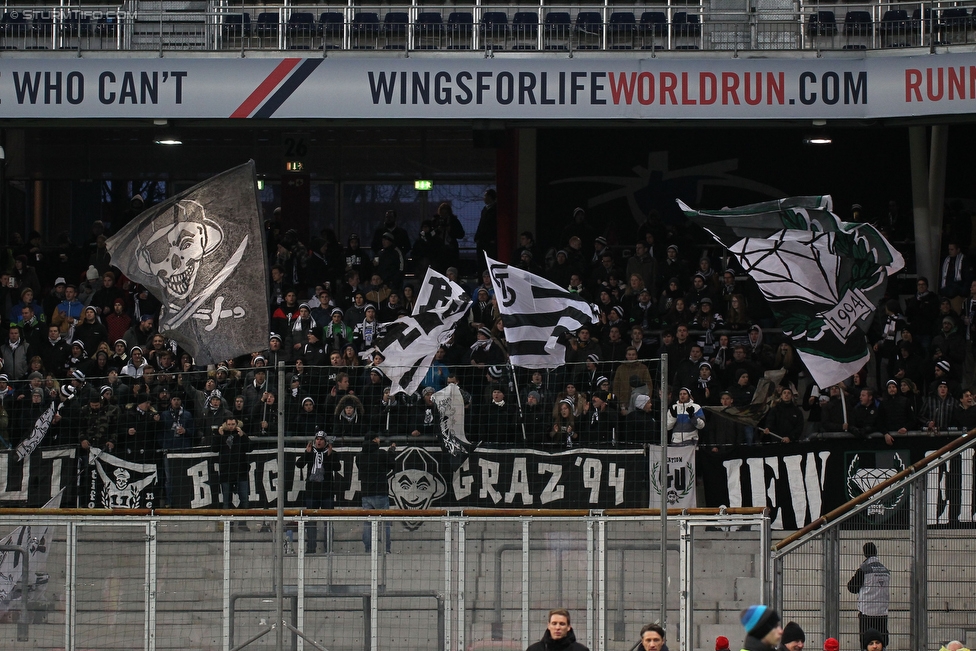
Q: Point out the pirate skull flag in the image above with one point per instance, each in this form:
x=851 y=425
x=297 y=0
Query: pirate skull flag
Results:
x=201 y=253
x=823 y=278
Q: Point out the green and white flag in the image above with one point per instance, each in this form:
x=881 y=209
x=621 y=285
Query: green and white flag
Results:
x=823 y=278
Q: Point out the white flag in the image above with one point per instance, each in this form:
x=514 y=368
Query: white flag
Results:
x=535 y=313
x=450 y=404
x=36 y=541
x=38 y=432
x=410 y=343
x=680 y=476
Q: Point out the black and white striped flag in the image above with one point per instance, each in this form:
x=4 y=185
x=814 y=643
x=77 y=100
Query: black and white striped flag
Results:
x=535 y=312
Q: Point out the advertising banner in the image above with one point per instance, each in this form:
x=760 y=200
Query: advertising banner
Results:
x=504 y=87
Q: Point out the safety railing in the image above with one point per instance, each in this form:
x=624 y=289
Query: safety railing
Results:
x=220 y=26
x=366 y=579
x=889 y=559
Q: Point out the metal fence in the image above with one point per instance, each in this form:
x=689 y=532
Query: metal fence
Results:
x=930 y=565
x=217 y=25
x=452 y=582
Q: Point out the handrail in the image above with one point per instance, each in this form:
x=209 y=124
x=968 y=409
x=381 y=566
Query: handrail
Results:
x=390 y=513
x=846 y=508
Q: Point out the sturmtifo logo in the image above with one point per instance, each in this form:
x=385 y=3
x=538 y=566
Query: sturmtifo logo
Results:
x=865 y=470
x=681 y=479
x=418 y=483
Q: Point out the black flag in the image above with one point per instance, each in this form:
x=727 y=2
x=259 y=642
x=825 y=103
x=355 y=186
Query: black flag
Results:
x=201 y=253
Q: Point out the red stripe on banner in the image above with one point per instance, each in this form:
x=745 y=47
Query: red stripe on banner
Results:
x=261 y=92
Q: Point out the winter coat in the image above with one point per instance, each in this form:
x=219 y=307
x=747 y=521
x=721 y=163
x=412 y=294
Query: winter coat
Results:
x=567 y=643
x=375 y=465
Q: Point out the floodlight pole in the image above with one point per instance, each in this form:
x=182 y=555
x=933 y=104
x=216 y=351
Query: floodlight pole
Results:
x=663 y=479
x=280 y=522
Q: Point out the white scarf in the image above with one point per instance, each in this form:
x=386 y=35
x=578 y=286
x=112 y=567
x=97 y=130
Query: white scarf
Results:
x=957 y=272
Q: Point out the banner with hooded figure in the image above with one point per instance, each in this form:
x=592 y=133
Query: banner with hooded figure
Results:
x=201 y=253
x=823 y=278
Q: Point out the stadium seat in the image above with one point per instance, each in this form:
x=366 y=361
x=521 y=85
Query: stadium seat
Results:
x=953 y=26
x=653 y=30
x=267 y=24
x=684 y=24
x=821 y=23
x=494 y=29
x=428 y=30
x=365 y=30
x=894 y=28
x=557 y=28
x=236 y=25
x=460 y=27
x=301 y=25
x=330 y=27
x=395 y=30
x=620 y=27
x=589 y=30
x=857 y=23
x=525 y=30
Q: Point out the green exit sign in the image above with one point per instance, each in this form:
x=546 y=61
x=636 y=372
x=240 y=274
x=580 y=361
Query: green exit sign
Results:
x=424 y=185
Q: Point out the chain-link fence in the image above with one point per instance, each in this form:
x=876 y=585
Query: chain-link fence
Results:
x=479 y=581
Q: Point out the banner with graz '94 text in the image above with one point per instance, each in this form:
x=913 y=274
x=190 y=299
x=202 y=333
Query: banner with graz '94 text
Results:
x=432 y=478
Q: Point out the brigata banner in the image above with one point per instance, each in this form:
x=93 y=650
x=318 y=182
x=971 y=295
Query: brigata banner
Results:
x=426 y=478
x=469 y=86
x=799 y=482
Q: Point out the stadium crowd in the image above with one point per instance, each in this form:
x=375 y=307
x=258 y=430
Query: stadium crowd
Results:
x=78 y=329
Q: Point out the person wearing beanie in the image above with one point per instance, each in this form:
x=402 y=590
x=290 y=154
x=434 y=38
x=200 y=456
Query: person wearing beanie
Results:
x=721 y=643
x=559 y=634
x=831 y=644
x=763 y=631
x=873 y=640
x=793 y=638
x=871 y=584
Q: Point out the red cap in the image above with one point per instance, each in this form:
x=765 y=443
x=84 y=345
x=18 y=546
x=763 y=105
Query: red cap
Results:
x=721 y=643
x=831 y=644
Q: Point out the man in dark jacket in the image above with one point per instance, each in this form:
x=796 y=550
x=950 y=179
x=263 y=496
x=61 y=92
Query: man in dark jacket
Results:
x=319 y=485
x=763 y=631
x=559 y=634
x=232 y=445
x=785 y=420
x=375 y=465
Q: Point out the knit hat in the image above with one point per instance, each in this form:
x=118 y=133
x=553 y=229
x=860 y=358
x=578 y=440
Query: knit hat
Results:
x=601 y=240
x=944 y=365
x=870 y=636
x=274 y=335
x=759 y=620
x=536 y=395
x=600 y=380
x=484 y=331
x=870 y=549
x=793 y=633
x=721 y=643
x=495 y=371
x=831 y=644
x=78 y=375
x=593 y=357
x=35 y=376
x=335 y=311
x=640 y=402
x=92 y=273
x=428 y=390
x=306 y=399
